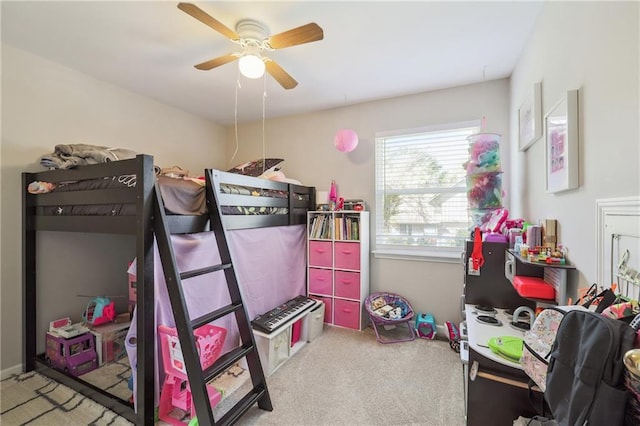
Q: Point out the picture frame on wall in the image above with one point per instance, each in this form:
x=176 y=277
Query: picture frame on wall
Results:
x=562 y=144
x=530 y=118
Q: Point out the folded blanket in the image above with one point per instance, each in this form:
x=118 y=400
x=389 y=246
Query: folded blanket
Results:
x=67 y=156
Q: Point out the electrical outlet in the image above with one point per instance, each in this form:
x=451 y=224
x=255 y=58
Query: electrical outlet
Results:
x=471 y=270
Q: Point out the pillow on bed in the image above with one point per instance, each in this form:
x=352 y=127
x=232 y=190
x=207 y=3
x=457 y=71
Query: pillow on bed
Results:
x=278 y=175
x=271 y=174
x=256 y=167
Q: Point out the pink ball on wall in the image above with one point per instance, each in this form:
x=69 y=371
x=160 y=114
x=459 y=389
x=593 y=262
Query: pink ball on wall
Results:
x=346 y=140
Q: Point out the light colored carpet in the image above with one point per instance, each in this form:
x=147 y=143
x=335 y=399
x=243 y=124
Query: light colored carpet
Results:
x=343 y=377
x=346 y=377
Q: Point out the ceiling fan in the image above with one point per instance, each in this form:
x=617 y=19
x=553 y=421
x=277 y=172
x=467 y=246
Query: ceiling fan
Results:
x=253 y=39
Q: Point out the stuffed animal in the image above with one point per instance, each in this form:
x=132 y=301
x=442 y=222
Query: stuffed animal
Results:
x=484 y=190
x=488 y=159
x=484 y=156
x=395 y=313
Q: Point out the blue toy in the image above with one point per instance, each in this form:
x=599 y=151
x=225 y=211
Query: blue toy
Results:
x=404 y=309
x=426 y=326
x=100 y=310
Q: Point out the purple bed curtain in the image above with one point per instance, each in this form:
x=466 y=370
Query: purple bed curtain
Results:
x=270 y=266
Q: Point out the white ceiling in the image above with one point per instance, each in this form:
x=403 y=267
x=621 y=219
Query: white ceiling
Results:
x=371 y=50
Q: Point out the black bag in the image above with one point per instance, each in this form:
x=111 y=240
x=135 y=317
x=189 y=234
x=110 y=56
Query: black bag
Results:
x=585 y=378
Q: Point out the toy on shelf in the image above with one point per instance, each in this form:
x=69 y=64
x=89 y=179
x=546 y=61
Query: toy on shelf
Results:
x=333 y=196
x=176 y=392
x=70 y=347
x=100 y=310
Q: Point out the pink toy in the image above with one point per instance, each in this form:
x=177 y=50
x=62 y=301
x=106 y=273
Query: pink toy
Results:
x=496 y=219
x=176 y=392
x=333 y=195
x=490 y=220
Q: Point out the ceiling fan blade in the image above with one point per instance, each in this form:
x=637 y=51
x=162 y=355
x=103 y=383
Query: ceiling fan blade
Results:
x=280 y=75
x=205 y=66
x=206 y=19
x=300 y=35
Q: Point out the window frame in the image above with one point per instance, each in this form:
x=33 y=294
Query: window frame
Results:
x=405 y=252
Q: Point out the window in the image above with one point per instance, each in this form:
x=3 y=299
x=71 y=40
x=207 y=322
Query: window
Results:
x=421 y=196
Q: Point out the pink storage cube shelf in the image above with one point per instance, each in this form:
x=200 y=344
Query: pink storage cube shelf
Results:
x=320 y=253
x=347 y=313
x=320 y=281
x=347 y=284
x=347 y=255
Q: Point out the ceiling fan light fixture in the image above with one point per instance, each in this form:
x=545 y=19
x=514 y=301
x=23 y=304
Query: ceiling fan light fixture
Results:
x=251 y=66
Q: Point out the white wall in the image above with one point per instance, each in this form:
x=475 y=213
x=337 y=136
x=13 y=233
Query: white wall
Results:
x=306 y=144
x=44 y=104
x=593 y=47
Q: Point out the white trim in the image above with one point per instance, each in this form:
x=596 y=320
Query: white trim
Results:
x=427 y=129
x=8 y=372
x=419 y=255
x=629 y=206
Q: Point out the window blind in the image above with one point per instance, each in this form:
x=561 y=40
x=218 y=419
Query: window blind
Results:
x=421 y=201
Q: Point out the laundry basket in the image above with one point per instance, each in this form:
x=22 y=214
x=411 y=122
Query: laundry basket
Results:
x=388 y=312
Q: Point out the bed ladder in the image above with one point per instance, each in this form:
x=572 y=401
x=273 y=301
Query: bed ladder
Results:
x=199 y=378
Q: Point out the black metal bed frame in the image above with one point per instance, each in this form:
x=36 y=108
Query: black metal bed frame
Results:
x=142 y=226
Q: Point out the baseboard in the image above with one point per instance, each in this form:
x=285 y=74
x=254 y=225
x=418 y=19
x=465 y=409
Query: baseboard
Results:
x=16 y=369
x=442 y=332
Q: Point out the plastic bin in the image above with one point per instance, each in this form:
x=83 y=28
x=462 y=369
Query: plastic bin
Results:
x=315 y=322
x=209 y=342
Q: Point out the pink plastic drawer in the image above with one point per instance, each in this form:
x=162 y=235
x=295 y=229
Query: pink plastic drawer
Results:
x=348 y=256
x=347 y=284
x=533 y=287
x=347 y=314
x=328 y=307
x=320 y=281
x=320 y=253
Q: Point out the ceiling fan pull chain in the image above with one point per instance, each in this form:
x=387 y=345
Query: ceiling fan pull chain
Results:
x=235 y=117
x=264 y=112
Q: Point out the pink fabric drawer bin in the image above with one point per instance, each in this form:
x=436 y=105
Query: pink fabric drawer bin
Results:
x=348 y=256
x=328 y=307
x=347 y=284
x=320 y=253
x=320 y=281
x=347 y=314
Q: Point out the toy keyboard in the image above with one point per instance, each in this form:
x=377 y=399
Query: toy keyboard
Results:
x=278 y=316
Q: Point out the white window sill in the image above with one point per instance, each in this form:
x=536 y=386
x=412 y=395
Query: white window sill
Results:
x=419 y=255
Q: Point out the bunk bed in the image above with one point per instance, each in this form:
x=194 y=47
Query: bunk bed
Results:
x=102 y=198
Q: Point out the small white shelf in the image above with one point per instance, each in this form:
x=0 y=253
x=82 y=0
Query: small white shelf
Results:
x=276 y=348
